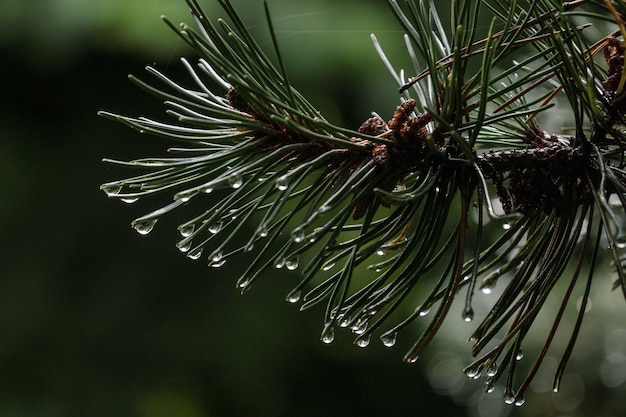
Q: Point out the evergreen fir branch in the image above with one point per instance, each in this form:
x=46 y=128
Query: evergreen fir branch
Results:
x=383 y=214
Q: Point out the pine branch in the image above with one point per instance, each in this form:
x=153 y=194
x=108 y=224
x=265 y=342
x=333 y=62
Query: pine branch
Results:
x=378 y=210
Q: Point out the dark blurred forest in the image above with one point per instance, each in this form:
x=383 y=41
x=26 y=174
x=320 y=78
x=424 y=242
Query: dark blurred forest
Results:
x=96 y=320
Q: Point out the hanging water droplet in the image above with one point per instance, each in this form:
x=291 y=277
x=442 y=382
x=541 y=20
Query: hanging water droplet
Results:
x=359 y=327
x=263 y=232
x=389 y=339
x=490 y=385
x=282 y=183
x=111 y=190
x=216 y=227
x=620 y=240
x=506 y=225
x=235 y=180
x=468 y=315
x=186 y=230
x=363 y=342
x=520 y=401
x=298 y=235
x=473 y=372
x=217 y=264
x=328 y=335
x=216 y=256
x=184 y=196
x=492 y=370
x=345 y=322
x=509 y=398
x=144 y=227
x=294 y=297
x=195 y=253
x=424 y=311
x=292 y=263
x=328 y=267
x=207 y=190
x=519 y=355
x=184 y=246
x=279 y=263
x=381 y=252
x=243 y=283
x=129 y=200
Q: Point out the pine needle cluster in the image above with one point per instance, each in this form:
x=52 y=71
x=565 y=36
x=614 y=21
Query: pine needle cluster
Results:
x=404 y=202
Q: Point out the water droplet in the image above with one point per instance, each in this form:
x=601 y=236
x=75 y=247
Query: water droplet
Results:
x=263 y=232
x=185 y=196
x=490 y=385
x=468 y=315
x=389 y=339
x=359 y=327
x=506 y=225
x=217 y=264
x=492 y=370
x=363 y=342
x=217 y=256
x=279 y=264
x=216 y=227
x=195 y=253
x=129 y=200
x=519 y=355
x=111 y=190
x=381 y=252
x=328 y=335
x=294 y=297
x=424 y=311
x=328 y=267
x=298 y=235
x=520 y=401
x=509 y=398
x=235 y=181
x=207 y=190
x=345 y=322
x=282 y=183
x=292 y=264
x=411 y=359
x=473 y=372
x=620 y=240
x=186 y=230
x=184 y=246
x=144 y=227
x=243 y=283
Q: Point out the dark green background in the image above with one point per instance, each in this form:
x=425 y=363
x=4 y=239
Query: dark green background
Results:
x=96 y=320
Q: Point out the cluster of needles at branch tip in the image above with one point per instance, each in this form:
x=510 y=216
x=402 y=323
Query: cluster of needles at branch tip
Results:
x=385 y=223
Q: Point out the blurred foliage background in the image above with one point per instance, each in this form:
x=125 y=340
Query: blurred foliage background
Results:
x=98 y=321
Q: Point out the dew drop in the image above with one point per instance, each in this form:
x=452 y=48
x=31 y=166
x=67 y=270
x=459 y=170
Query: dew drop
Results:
x=381 y=252
x=184 y=196
x=130 y=200
x=186 y=230
x=506 y=225
x=520 y=401
x=360 y=327
x=184 y=246
x=423 y=312
x=389 y=339
x=492 y=370
x=519 y=355
x=345 y=322
x=263 y=232
x=217 y=256
x=195 y=253
x=282 y=183
x=279 y=264
x=294 y=297
x=235 y=181
x=217 y=264
x=474 y=372
x=509 y=398
x=216 y=227
x=111 y=190
x=292 y=264
x=144 y=227
x=207 y=190
x=298 y=235
x=328 y=267
x=243 y=283
x=328 y=335
x=490 y=385
x=363 y=342
x=468 y=315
